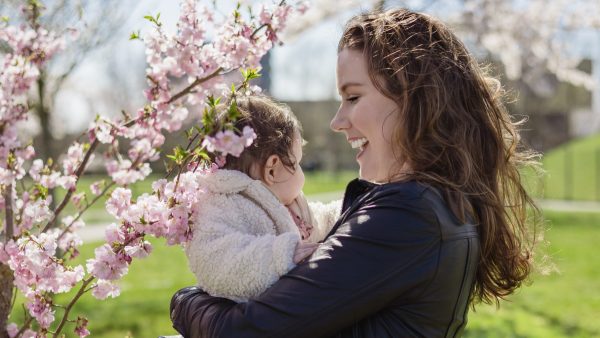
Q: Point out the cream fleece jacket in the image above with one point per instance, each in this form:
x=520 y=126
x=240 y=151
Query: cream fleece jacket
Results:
x=244 y=238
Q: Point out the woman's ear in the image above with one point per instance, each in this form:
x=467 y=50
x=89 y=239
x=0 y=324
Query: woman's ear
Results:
x=271 y=169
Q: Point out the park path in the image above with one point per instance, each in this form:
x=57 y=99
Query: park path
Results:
x=94 y=232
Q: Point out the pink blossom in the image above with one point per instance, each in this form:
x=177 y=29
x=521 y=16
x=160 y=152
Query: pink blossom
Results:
x=142 y=150
x=25 y=153
x=159 y=186
x=226 y=142
x=67 y=182
x=96 y=187
x=35 y=169
x=141 y=250
x=148 y=214
x=35 y=212
x=104 y=289
x=303 y=6
x=113 y=234
x=70 y=240
x=74 y=158
x=103 y=132
x=33 y=262
x=41 y=309
x=265 y=16
x=30 y=334
x=77 y=198
x=106 y=264
x=122 y=172
x=179 y=229
x=50 y=180
x=248 y=135
x=81 y=327
x=119 y=201
x=12 y=329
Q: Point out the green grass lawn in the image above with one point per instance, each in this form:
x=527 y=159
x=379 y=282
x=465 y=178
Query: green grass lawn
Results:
x=564 y=304
x=573 y=170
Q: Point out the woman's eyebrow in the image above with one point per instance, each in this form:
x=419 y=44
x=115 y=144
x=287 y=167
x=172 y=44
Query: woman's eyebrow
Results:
x=345 y=86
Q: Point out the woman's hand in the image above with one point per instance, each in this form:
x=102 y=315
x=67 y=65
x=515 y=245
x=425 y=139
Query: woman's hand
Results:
x=304 y=250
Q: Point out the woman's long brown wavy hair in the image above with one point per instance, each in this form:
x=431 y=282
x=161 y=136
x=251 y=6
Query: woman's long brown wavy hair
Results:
x=455 y=134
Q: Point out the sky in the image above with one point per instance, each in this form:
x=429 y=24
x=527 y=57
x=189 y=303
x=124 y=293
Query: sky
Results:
x=301 y=69
x=294 y=75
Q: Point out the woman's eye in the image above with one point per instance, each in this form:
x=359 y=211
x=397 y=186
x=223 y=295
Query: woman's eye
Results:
x=352 y=99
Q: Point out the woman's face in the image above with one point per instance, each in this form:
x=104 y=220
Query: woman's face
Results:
x=366 y=116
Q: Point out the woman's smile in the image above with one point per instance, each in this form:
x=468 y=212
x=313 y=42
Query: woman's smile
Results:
x=367 y=117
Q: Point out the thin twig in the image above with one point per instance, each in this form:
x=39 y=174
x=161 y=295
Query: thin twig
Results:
x=67 y=197
x=84 y=209
x=78 y=174
x=189 y=88
x=65 y=317
x=25 y=326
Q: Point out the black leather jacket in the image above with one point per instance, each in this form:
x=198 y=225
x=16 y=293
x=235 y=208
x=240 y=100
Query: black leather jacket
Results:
x=396 y=264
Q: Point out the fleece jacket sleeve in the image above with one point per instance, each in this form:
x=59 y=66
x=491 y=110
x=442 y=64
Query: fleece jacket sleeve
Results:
x=325 y=215
x=236 y=265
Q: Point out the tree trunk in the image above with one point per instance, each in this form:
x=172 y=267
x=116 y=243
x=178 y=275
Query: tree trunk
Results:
x=46 y=148
x=6 y=295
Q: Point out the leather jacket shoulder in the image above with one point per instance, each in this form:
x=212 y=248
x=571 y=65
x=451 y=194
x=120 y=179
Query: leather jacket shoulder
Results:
x=396 y=264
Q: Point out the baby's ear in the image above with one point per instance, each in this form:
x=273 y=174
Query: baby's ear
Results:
x=271 y=169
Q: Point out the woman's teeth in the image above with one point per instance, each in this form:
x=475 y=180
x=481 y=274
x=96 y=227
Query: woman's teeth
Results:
x=358 y=143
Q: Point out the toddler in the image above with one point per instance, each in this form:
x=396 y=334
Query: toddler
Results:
x=253 y=224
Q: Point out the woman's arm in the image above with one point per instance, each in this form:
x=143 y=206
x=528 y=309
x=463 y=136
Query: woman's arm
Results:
x=374 y=257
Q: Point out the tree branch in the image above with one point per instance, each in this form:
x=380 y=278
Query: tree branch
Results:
x=78 y=174
x=84 y=209
x=9 y=212
x=65 y=317
x=189 y=88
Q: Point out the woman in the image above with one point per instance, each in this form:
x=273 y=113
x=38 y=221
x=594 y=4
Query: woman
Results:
x=437 y=220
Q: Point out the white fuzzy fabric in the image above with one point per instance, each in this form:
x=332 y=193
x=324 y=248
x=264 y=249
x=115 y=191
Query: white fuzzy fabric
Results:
x=324 y=218
x=244 y=238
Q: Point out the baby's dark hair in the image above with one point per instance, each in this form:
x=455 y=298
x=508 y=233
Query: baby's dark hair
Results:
x=275 y=126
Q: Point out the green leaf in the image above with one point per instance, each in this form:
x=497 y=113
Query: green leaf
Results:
x=233 y=110
x=189 y=132
x=179 y=154
x=40 y=191
x=153 y=19
x=250 y=74
x=134 y=35
x=201 y=153
x=212 y=101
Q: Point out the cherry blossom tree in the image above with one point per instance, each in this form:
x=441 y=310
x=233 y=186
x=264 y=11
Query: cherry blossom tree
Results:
x=215 y=56
x=529 y=38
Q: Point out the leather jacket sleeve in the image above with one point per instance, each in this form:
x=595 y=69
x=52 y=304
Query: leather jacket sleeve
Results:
x=382 y=253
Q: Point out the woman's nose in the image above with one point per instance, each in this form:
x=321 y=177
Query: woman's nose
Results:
x=339 y=121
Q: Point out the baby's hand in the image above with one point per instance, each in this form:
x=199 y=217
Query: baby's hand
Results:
x=304 y=250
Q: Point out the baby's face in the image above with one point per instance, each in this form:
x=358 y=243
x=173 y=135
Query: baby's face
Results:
x=290 y=182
